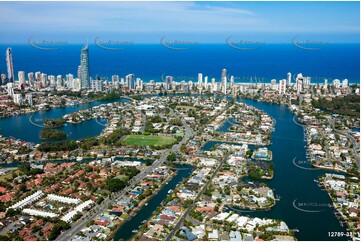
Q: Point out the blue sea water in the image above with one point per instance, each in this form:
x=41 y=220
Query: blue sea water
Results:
x=151 y=61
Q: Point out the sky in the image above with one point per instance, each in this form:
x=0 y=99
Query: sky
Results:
x=204 y=22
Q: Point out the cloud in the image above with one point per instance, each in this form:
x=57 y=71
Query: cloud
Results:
x=88 y=19
x=121 y=16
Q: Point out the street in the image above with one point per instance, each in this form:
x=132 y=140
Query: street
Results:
x=98 y=209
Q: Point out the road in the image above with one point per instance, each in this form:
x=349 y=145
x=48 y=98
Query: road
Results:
x=186 y=213
x=356 y=147
x=98 y=209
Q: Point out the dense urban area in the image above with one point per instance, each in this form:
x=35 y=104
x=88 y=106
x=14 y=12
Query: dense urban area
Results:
x=153 y=132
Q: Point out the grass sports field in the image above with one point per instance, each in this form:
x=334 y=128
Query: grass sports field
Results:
x=145 y=140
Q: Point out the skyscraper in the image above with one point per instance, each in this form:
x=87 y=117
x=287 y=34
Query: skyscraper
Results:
x=200 y=80
x=59 y=81
x=224 y=81
x=168 y=82
x=289 y=77
x=115 y=78
x=282 y=86
x=206 y=83
x=79 y=72
x=51 y=79
x=31 y=79
x=214 y=85
x=336 y=83
x=43 y=80
x=231 y=81
x=344 y=83
x=69 y=81
x=37 y=76
x=10 y=64
x=21 y=77
x=84 y=64
x=130 y=81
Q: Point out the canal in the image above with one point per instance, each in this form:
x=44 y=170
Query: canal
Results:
x=22 y=126
x=125 y=231
x=293 y=184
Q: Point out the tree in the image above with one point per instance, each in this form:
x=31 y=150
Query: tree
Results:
x=22 y=187
x=115 y=184
x=58 y=228
x=11 y=212
x=25 y=168
x=171 y=157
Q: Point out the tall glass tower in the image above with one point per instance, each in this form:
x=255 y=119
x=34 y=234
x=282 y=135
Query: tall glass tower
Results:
x=224 y=81
x=84 y=64
x=10 y=64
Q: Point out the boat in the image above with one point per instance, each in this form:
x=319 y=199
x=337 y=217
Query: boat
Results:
x=146 y=204
x=134 y=230
x=144 y=221
x=79 y=158
x=295 y=230
x=170 y=190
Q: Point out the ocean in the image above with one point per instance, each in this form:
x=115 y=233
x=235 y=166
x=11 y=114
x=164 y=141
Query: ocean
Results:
x=152 y=61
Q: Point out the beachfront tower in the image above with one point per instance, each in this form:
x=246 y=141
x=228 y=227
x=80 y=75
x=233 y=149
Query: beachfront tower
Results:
x=289 y=76
x=84 y=68
x=224 y=81
x=10 y=65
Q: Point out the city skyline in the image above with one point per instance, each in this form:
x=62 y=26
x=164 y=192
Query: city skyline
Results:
x=85 y=82
x=180 y=121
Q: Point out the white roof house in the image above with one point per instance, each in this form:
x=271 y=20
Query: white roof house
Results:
x=62 y=199
x=34 y=212
x=28 y=200
x=67 y=217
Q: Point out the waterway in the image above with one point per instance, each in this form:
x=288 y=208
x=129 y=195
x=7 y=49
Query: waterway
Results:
x=294 y=185
x=22 y=127
x=125 y=231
